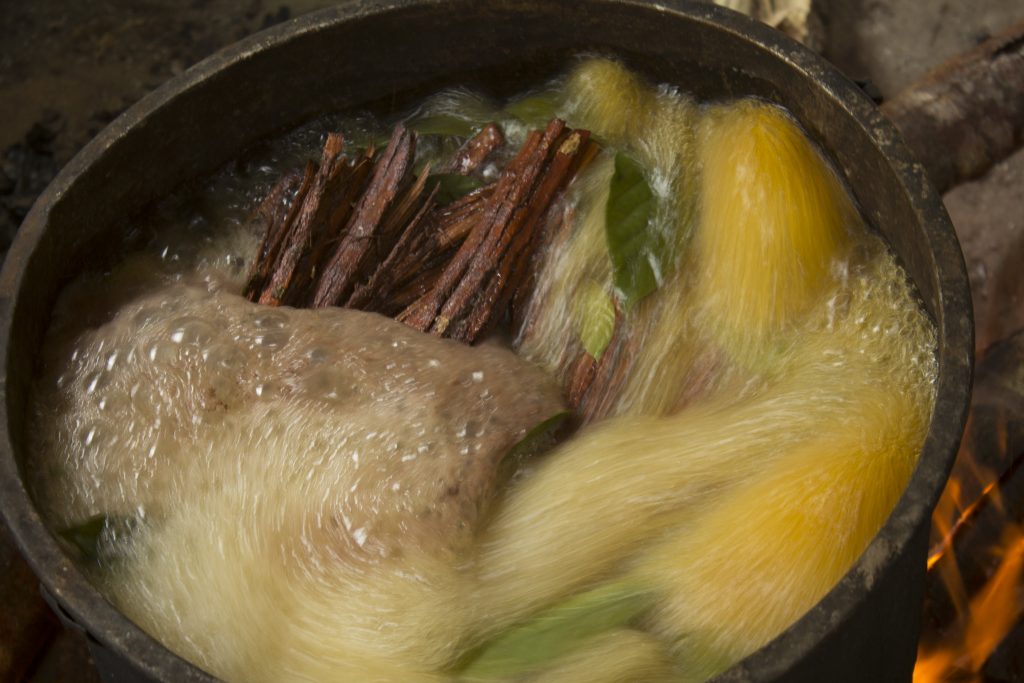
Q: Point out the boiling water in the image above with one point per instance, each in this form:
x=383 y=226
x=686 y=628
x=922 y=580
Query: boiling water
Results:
x=315 y=495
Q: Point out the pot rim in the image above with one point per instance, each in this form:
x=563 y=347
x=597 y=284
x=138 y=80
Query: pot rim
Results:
x=83 y=604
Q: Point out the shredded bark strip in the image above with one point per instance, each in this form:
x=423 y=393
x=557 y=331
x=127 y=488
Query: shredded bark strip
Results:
x=375 y=235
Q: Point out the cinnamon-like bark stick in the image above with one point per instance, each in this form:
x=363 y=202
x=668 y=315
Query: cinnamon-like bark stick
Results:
x=373 y=295
x=422 y=314
x=273 y=217
x=350 y=185
x=444 y=229
x=462 y=261
x=597 y=399
x=514 y=266
x=476 y=149
x=314 y=210
x=509 y=211
x=345 y=266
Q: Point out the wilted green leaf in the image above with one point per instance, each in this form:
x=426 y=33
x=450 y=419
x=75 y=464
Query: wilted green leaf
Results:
x=98 y=539
x=557 y=632
x=451 y=186
x=540 y=437
x=535 y=110
x=633 y=244
x=86 y=536
x=443 y=124
x=596 y=318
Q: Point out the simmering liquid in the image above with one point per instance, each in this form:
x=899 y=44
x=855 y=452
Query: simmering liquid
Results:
x=281 y=494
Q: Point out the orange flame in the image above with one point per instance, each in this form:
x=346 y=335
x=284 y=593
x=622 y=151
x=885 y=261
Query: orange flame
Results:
x=991 y=614
x=983 y=620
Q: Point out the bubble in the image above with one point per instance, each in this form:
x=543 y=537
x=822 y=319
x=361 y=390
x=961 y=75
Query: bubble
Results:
x=95 y=381
x=330 y=384
x=145 y=316
x=162 y=352
x=224 y=357
x=272 y=340
x=317 y=355
x=192 y=332
x=272 y=320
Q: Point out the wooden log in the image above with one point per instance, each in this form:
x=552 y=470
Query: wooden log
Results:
x=66 y=659
x=967 y=114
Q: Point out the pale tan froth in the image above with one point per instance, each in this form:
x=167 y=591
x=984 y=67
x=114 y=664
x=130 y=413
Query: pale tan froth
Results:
x=303 y=450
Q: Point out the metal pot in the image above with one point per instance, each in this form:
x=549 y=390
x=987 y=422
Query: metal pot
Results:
x=866 y=628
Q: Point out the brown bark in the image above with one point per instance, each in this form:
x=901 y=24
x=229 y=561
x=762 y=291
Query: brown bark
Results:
x=274 y=217
x=509 y=217
x=408 y=293
x=511 y=269
x=967 y=114
x=314 y=211
x=349 y=185
x=476 y=150
x=375 y=293
x=442 y=232
x=598 y=397
x=462 y=261
x=422 y=314
x=346 y=265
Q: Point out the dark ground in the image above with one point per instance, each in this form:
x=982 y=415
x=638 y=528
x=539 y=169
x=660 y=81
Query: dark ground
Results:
x=67 y=68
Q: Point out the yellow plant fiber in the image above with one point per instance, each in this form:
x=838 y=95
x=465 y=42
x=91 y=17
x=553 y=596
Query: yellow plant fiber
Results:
x=760 y=497
x=774 y=221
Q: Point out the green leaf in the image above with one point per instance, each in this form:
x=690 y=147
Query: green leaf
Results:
x=595 y=318
x=86 y=536
x=541 y=437
x=364 y=139
x=453 y=185
x=443 y=124
x=557 y=631
x=634 y=246
x=535 y=110
x=99 y=539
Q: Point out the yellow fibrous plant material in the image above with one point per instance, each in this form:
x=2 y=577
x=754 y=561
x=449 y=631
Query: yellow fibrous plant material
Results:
x=312 y=491
x=740 y=511
x=657 y=127
x=775 y=221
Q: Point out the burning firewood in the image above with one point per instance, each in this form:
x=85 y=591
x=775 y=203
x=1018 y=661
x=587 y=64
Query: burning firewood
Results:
x=975 y=582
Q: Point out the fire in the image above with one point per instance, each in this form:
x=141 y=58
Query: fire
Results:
x=991 y=613
x=983 y=619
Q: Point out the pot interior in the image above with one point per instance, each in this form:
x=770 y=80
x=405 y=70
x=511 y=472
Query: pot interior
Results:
x=385 y=57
